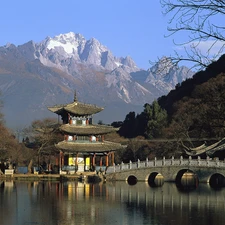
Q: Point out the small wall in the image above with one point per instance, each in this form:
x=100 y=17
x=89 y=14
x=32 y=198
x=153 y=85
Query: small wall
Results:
x=22 y=169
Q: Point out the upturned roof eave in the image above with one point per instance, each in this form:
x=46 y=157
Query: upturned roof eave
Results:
x=76 y=108
x=88 y=147
x=87 y=130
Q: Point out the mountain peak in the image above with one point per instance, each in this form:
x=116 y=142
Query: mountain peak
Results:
x=69 y=49
x=70 y=36
x=69 y=42
x=41 y=73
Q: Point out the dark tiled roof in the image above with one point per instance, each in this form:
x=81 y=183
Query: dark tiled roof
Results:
x=87 y=130
x=88 y=146
x=204 y=149
x=76 y=108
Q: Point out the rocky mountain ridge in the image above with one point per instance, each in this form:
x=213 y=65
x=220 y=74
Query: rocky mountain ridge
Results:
x=36 y=75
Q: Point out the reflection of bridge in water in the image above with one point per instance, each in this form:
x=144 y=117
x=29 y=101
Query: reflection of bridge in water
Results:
x=69 y=201
x=170 y=170
x=168 y=195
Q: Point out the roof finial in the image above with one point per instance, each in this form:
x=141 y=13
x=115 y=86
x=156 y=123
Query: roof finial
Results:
x=75 y=96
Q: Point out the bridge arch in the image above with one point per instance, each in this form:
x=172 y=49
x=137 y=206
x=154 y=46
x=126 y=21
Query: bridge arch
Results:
x=186 y=178
x=217 y=180
x=131 y=180
x=155 y=179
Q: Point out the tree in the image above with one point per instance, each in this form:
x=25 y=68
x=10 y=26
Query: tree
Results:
x=1 y=114
x=156 y=120
x=201 y=114
x=10 y=149
x=212 y=95
x=44 y=134
x=128 y=128
x=196 y=19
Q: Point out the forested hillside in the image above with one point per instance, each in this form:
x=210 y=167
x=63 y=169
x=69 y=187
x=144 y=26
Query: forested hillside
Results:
x=192 y=113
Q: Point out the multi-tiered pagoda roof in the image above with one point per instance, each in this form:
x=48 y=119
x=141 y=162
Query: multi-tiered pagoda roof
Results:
x=76 y=108
x=81 y=137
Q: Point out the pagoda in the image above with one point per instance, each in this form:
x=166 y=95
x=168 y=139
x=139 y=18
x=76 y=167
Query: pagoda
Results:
x=83 y=148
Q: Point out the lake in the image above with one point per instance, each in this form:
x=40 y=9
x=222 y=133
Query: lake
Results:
x=70 y=203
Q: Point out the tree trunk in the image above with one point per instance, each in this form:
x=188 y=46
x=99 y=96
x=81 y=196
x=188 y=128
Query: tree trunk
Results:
x=30 y=166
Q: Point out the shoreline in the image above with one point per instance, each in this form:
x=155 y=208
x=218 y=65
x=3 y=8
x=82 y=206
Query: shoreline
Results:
x=85 y=176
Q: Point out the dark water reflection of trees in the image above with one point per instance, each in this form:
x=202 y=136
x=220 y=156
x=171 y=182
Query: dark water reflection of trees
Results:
x=56 y=203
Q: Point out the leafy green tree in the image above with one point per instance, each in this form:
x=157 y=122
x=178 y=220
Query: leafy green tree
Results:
x=128 y=128
x=156 y=120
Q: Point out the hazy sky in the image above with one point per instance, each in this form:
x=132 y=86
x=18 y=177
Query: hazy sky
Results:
x=126 y=27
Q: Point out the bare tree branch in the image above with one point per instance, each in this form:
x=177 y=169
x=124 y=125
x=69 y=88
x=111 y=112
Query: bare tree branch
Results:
x=202 y=22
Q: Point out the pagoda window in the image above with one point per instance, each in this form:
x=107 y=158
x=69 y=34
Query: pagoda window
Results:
x=70 y=138
x=93 y=138
x=79 y=122
x=74 y=121
x=82 y=138
x=99 y=138
x=84 y=122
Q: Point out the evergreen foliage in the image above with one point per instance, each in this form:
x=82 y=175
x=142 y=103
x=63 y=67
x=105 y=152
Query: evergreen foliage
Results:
x=156 y=120
x=148 y=124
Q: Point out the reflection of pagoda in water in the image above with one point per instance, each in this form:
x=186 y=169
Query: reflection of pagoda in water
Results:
x=84 y=146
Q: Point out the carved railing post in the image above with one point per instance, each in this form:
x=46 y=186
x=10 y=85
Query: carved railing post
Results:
x=138 y=163
x=130 y=164
x=181 y=160
x=155 y=161
x=199 y=160
x=217 y=162
x=164 y=161
x=121 y=166
x=172 y=160
x=146 y=162
x=207 y=161
x=189 y=160
x=114 y=167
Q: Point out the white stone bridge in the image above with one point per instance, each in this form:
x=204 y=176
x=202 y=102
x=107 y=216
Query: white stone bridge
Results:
x=171 y=170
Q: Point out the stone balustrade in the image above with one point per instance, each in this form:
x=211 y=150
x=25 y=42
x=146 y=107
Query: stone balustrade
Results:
x=208 y=162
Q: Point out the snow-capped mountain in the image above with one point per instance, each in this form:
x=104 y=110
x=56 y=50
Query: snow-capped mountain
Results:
x=36 y=75
x=67 y=50
x=165 y=76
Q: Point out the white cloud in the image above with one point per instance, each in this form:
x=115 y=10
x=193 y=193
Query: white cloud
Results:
x=211 y=48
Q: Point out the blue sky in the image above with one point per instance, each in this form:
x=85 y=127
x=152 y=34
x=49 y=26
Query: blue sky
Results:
x=126 y=27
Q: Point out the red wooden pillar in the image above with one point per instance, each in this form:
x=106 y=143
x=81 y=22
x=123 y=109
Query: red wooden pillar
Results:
x=112 y=160
x=107 y=160
x=68 y=118
x=61 y=160
x=93 y=160
x=57 y=159
x=76 y=160
x=100 y=163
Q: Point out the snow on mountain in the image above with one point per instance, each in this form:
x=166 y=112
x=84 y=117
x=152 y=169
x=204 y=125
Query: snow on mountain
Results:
x=64 y=49
x=165 y=76
x=126 y=88
x=70 y=51
x=46 y=73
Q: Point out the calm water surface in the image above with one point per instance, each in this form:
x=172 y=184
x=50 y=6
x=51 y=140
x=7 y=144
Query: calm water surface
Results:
x=49 y=203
